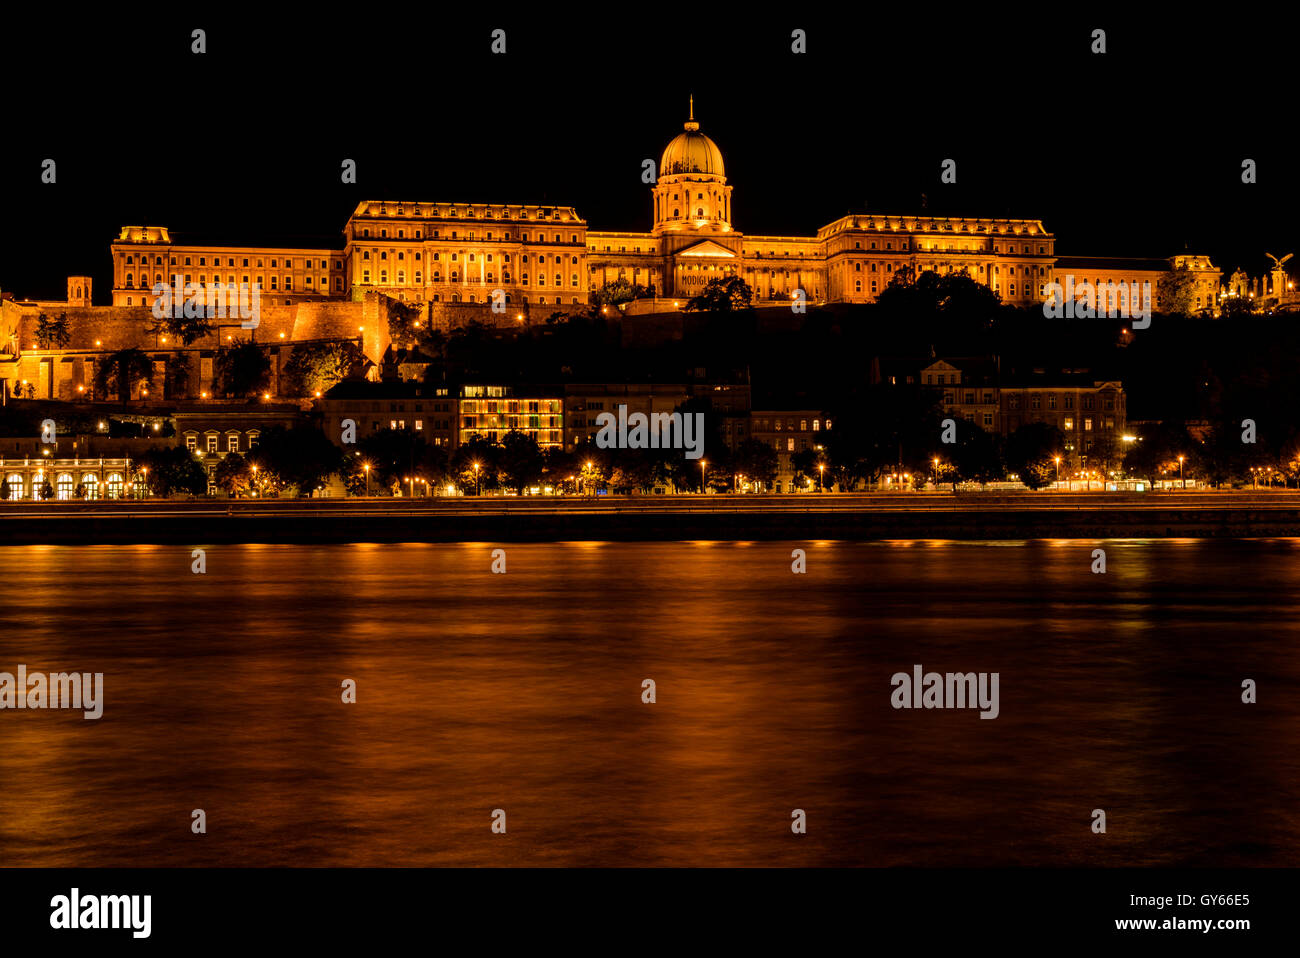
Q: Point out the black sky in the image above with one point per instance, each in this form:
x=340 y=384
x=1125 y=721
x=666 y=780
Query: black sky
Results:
x=1137 y=152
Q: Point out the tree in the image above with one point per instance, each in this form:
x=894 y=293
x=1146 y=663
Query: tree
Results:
x=402 y=320
x=975 y=455
x=233 y=475
x=47 y=490
x=619 y=291
x=52 y=333
x=756 y=461
x=121 y=371
x=730 y=294
x=185 y=328
x=171 y=470
x=178 y=372
x=476 y=450
x=1235 y=307
x=394 y=454
x=1031 y=453
x=1177 y=291
x=1156 y=452
x=804 y=465
x=300 y=456
x=243 y=369
x=520 y=460
x=316 y=367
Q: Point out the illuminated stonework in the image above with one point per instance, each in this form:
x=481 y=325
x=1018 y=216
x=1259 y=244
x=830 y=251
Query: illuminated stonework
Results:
x=467 y=253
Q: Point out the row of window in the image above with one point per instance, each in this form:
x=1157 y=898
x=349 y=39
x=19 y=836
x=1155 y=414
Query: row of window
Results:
x=322 y=282
x=543 y=213
x=455 y=234
x=64 y=486
x=455 y=278
x=230 y=261
x=505 y=257
x=213 y=439
x=1086 y=402
x=775 y=425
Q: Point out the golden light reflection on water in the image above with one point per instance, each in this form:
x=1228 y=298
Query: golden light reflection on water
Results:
x=523 y=691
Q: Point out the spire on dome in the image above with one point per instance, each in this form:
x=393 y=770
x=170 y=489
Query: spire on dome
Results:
x=690 y=124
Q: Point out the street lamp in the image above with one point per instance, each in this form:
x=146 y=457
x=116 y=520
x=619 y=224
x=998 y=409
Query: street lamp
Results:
x=703 y=463
x=477 y=487
x=366 y=467
x=1057 y=460
x=1181 y=480
x=821 y=477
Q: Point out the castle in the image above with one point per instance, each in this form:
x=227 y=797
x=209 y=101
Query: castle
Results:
x=455 y=260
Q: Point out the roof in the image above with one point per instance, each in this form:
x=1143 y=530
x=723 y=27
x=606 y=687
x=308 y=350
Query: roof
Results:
x=385 y=389
x=1111 y=263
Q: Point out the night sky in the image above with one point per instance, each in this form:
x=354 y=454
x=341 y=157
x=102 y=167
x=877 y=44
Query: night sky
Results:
x=1134 y=153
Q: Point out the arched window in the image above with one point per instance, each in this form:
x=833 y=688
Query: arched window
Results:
x=91 y=482
x=15 y=484
x=115 y=485
x=700 y=212
x=64 y=486
x=676 y=213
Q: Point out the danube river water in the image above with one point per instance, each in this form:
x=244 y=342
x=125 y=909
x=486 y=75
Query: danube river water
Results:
x=523 y=692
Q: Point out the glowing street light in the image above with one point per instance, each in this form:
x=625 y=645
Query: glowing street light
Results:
x=821 y=477
x=1057 y=460
x=1180 y=471
x=366 y=467
x=478 y=488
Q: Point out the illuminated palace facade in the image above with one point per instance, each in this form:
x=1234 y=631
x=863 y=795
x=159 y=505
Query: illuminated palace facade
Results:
x=546 y=256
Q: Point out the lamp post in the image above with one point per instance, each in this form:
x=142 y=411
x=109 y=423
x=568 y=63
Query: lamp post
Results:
x=935 y=460
x=254 y=481
x=1182 y=481
x=477 y=486
x=366 y=467
x=145 y=470
x=703 y=487
x=587 y=478
x=1057 y=460
x=821 y=477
